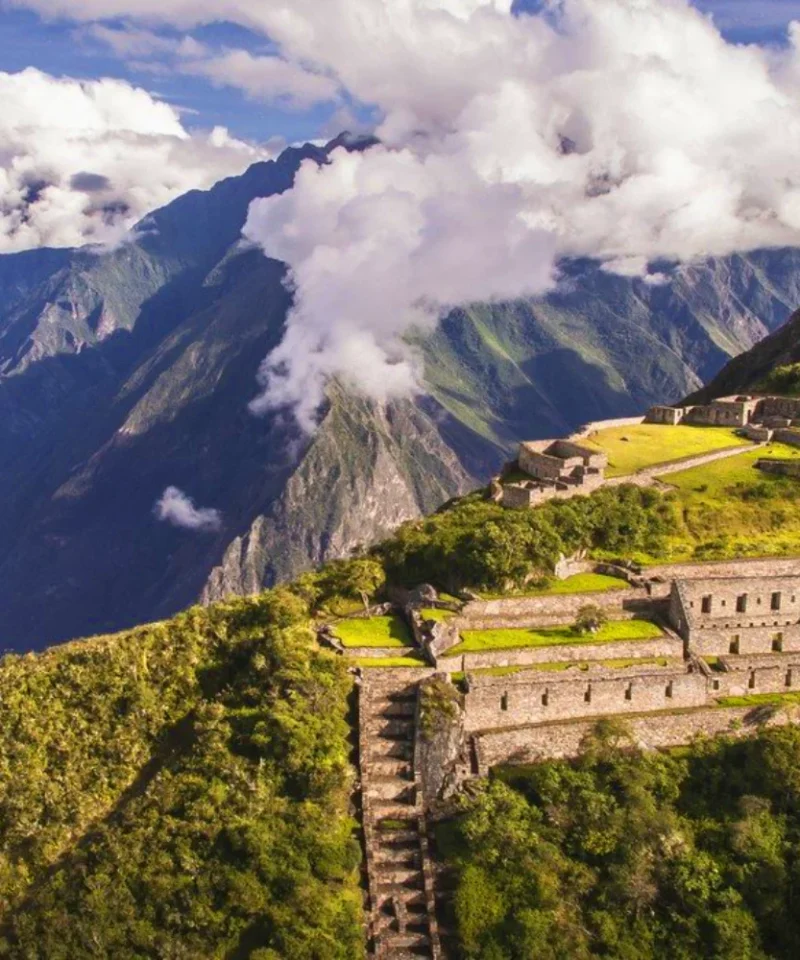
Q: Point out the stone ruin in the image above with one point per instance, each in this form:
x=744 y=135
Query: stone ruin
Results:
x=727 y=629
x=757 y=417
x=556 y=469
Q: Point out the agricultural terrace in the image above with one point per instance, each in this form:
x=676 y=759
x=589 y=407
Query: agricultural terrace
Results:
x=476 y=641
x=727 y=508
x=373 y=632
x=643 y=445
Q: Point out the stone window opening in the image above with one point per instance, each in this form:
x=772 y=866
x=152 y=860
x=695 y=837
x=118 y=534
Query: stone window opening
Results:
x=715 y=684
x=734 y=647
x=741 y=603
x=724 y=603
x=588 y=695
x=775 y=601
x=504 y=702
x=751 y=683
x=777 y=643
x=669 y=690
x=546 y=698
x=629 y=692
x=788 y=678
x=706 y=605
x=758 y=601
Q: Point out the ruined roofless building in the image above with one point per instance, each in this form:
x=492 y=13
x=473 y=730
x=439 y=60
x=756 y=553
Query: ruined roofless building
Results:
x=733 y=411
x=558 y=469
x=745 y=615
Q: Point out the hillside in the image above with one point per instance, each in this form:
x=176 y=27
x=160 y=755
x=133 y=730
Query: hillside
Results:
x=123 y=373
x=180 y=790
x=765 y=367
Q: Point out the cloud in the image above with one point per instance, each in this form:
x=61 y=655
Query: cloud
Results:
x=629 y=131
x=82 y=161
x=178 y=509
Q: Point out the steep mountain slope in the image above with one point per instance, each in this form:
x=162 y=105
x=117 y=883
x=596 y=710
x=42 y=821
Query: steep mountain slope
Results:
x=750 y=369
x=125 y=372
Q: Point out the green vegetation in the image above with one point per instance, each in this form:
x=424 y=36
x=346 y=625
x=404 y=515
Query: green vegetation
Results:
x=761 y=700
x=479 y=544
x=584 y=583
x=644 y=445
x=412 y=661
x=435 y=613
x=728 y=508
x=341 y=586
x=374 y=632
x=439 y=704
x=659 y=856
x=473 y=641
x=784 y=380
x=180 y=790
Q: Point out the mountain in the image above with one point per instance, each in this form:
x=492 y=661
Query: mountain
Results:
x=760 y=367
x=124 y=372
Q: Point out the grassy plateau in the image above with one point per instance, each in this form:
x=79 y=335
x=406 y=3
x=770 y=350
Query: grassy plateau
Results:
x=474 y=641
x=644 y=445
x=374 y=632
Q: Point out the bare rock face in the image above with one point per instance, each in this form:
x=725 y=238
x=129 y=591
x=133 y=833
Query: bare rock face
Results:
x=440 y=744
x=368 y=469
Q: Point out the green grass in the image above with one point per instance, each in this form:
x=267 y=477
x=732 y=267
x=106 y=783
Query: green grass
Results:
x=729 y=509
x=389 y=661
x=473 y=641
x=760 y=699
x=577 y=583
x=434 y=613
x=644 y=445
x=375 y=632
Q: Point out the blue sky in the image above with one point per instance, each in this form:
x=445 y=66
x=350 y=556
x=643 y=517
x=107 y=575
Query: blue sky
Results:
x=63 y=48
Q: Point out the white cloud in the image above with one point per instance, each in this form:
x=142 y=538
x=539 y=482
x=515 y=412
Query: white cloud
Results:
x=82 y=161
x=625 y=130
x=264 y=78
x=178 y=509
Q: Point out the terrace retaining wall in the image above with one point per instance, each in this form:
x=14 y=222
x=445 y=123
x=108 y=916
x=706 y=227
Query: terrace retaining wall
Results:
x=653 y=731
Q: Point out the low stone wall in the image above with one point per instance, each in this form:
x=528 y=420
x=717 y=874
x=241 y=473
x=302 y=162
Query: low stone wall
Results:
x=789 y=437
x=493 y=702
x=747 y=640
x=380 y=652
x=758 y=678
x=596 y=425
x=784 y=468
x=665 y=646
x=552 y=608
x=652 y=731
x=767 y=567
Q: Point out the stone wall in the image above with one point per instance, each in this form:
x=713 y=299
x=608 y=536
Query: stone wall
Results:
x=666 y=646
x=785 y=468
x=780 y=407
x=552 y=741
x=749 y=675
x=664 y=415
x=745 y=640
x=790 y=437
x=769 y=567
x=556 y=608
x=535 y=697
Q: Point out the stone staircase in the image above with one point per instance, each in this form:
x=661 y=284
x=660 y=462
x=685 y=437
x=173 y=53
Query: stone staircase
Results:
x=401 y=908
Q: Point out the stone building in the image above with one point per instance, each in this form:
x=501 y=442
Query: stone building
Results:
x=735 y=411
x=558 y=469
x=737 y=615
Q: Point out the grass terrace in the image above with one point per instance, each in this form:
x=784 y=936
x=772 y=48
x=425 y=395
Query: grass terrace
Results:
x=561 y=665
x=728 y=508
x=389 y=631
x=577 y=583
x=412 y=661
x=644 y=445
x=436 y=613
x=761 y=700
x=476 y=641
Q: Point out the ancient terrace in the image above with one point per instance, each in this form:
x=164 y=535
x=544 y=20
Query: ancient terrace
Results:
x=558 y=469
x=451 y=687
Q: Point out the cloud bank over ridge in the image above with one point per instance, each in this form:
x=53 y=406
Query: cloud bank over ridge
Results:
x=623 y=130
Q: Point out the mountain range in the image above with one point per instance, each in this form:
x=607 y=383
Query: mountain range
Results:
x=126 y=371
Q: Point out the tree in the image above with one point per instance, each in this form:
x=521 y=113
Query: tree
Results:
x=590 y=619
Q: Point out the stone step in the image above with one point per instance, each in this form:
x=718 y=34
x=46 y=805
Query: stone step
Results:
x=391 y=729
x=391 y=768
x=386 y=749
x=388 y=810
x=391 y=789
x=398 y=708
x=394 y=857
x=413 y=900
x=399 y=839
x=406 y=941
x=411 y=879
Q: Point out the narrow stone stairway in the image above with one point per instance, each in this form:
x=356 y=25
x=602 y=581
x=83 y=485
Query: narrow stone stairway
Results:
x=401 y=910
